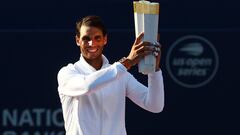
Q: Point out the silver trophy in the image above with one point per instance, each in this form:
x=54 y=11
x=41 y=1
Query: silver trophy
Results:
x=146 y=16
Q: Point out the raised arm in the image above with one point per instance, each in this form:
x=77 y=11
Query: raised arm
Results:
x=150 y=98
x=71 y=83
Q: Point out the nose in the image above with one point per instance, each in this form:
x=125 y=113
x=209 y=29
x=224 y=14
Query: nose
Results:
x=90 y=43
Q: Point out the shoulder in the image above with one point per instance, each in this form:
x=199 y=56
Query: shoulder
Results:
x=127 y=77
x=68 y=69
x=66 y=72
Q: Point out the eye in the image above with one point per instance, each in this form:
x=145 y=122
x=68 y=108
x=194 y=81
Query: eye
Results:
x=98 y=38
x=86 y=38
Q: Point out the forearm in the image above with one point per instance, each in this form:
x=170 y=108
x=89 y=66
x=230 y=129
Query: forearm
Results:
x=76 y=84
x=150 y=98
x=155 y=97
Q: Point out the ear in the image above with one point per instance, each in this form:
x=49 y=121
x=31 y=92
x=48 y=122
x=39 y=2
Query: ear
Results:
x=77 y=40
x=105 y=39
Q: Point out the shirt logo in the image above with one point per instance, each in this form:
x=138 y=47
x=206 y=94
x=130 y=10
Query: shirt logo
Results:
x=192 y=61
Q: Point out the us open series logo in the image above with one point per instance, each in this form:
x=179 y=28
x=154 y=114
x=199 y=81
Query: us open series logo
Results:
x=192 y=61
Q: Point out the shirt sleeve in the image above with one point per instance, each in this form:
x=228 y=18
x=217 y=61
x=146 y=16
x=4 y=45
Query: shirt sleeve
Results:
x=72 y=83
x=150 y=98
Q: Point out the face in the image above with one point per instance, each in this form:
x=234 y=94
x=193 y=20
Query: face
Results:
x=91 y=42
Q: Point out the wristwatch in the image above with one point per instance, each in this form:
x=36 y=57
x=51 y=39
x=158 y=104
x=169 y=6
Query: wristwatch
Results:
x=126 y=62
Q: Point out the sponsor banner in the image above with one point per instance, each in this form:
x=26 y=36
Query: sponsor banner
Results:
x=32 y=121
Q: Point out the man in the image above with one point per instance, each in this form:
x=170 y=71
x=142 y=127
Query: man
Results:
x=93 y=92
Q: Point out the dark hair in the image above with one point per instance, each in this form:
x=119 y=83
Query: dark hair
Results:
x=92 y=21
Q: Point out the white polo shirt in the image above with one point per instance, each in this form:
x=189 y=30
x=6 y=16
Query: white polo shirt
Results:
x=93 y=102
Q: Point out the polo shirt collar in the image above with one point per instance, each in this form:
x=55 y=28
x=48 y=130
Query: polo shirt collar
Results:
x=83 y=62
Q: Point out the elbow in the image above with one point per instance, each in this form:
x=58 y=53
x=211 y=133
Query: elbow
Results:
x=74 y=90
x=158 y=110
x=156 y=106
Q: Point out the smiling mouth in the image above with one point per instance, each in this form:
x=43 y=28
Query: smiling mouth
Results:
x=92 y=50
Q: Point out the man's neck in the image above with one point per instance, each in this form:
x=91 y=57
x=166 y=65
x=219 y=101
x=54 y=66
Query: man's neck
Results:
x=96 y=63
